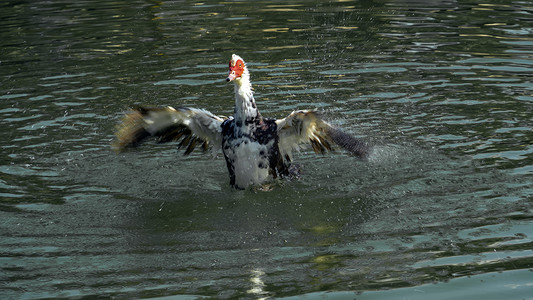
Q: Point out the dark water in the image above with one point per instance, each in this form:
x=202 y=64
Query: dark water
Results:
x=443 y=208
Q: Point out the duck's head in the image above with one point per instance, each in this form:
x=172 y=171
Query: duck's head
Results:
x=237 y=68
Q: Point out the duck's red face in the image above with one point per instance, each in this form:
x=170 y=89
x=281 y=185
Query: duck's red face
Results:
x=236 y=68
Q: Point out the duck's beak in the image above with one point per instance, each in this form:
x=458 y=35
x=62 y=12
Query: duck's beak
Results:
x=231 y=76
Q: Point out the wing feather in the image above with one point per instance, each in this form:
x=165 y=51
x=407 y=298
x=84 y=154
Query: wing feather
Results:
x=193 y=126
x=307 y=127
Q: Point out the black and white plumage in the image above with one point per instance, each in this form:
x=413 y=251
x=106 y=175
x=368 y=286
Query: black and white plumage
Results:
x=256 y=149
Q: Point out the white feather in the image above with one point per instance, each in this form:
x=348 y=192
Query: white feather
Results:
x=201 y=122
x=300 y=127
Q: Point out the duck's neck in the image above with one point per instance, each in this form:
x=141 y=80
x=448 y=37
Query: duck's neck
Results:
x=246 y=112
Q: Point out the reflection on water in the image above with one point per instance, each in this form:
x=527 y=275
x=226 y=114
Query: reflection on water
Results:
x=258 y=286
x=442 y=89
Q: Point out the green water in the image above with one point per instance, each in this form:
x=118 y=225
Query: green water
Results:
x=442 y=209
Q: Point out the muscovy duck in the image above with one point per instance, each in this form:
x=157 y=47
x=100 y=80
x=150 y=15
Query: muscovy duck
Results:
x=256 y=149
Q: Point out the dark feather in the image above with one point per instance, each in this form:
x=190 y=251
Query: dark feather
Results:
x=326 y=143
x=173 y=133
x=349 y=143
x=186 y=140
x=205 y=145
x=191 y=146
x=317 y=147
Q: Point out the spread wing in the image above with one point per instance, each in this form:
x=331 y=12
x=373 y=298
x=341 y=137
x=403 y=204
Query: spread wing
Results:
x=306 y=127
x=193 y=126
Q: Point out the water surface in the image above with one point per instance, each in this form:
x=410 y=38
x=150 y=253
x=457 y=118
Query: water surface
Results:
x=443 y=207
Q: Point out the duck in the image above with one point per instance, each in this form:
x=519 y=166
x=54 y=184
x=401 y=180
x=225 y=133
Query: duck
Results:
x=256 y=149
